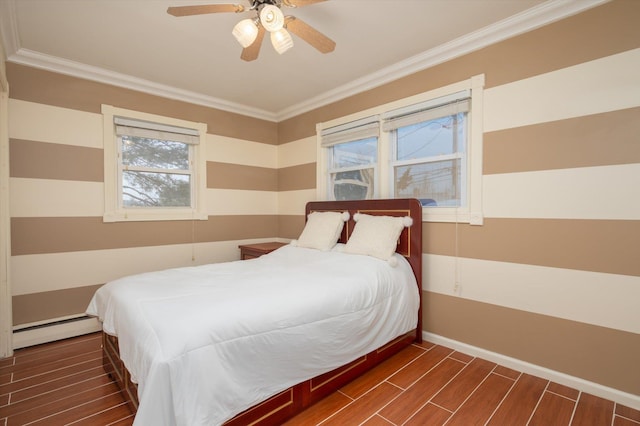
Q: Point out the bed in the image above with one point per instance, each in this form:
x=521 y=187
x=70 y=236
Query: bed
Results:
x=192 y=352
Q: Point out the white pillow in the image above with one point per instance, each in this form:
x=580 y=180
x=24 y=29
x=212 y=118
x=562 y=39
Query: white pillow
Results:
x=376 y=236
x=322 y=230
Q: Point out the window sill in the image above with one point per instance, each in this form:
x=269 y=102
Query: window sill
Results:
x=432 y=215
x=141 y=216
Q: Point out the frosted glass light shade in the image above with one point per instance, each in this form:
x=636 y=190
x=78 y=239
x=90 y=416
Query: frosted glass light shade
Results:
x=281 y=40
x=271 y=18
x=245 y=32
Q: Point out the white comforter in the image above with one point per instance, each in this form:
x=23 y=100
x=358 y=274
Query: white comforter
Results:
x=205 y=343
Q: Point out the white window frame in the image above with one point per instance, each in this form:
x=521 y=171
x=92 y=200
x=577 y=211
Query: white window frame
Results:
x=352 y=132
x=469 y=212
x=113 y=211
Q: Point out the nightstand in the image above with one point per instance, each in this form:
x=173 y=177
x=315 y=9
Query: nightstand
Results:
x=251 y=251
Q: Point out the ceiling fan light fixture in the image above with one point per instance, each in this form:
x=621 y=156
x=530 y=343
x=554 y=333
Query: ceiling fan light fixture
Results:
x=281 y=40
x=271 y=18
x=245 y=32
x=267 y=16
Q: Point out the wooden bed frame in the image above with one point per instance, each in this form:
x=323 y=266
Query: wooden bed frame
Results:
x=292 y=401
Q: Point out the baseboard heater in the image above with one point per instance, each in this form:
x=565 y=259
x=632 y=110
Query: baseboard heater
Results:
x=51 y=330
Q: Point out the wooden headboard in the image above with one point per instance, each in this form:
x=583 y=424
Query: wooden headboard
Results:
x=410 y=241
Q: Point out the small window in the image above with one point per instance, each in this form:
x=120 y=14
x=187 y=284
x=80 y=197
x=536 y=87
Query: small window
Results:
x=353 y=159
x=352 y=174
x=154 y=169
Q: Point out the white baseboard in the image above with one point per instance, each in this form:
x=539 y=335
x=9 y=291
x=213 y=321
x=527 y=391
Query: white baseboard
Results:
x=50 y=332
x=624 y=398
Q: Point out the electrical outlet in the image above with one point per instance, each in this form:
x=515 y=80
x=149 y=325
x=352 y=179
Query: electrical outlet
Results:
x=456 y=288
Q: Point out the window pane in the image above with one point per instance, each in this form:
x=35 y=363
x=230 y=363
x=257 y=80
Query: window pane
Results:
x=154 y=153
x=442 y=136
x=356 y=153
x=143 y=189
x=434 y=184
x=353 y=185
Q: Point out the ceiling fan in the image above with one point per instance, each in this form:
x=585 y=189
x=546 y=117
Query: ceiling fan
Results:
x=269 y=17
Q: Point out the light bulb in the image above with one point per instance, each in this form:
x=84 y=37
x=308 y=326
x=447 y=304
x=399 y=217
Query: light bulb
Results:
x=245 y=32
x=281 y=40
x=271 y=18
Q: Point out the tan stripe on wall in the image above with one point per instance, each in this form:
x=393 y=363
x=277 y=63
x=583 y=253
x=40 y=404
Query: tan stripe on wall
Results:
x=298 y=177
x=597 y=354
x=41 y=160
x=608 y=246
x=67 y=234
x=602 y=31
x=240 y=227
x=29 y=308
x=594 y=140
x=237 y=176
x=35 y=85
x=596 y=33
x=588 y=245
x=290 y=226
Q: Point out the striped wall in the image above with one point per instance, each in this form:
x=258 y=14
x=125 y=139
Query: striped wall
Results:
x=61 y=249
x=6 y=319
x=552 y=278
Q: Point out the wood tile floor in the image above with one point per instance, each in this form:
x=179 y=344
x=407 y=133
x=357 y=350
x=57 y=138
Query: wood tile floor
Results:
x=62 y=383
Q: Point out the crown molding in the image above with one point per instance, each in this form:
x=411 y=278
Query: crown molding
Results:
x=88 y=72
x=15 y=54
x=545 y=13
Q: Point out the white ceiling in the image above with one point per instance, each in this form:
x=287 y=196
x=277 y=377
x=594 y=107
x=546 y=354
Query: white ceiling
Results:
x=136 y=44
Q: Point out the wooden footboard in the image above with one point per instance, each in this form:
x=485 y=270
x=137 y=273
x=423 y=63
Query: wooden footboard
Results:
x=115 y=368
x=280 y=407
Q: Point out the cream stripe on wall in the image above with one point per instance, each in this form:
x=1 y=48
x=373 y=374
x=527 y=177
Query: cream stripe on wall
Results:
x=51 y=198
x=298 y=152
x=292 y=154
x=57 y=271
x=294 y=202
x=605 y=84
x=236 y=151
x=54 y=124
x=606 y=300
x=241 y=202
x=86 y=130
x=607 y=192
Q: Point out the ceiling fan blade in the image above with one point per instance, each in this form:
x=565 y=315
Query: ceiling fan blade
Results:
x=203 y=9
x=300 y=3
x=251 y=53
x=309 y=34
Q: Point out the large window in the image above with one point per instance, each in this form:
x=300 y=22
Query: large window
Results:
x=153 y=167
x=428 y=143
x=427 y=147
